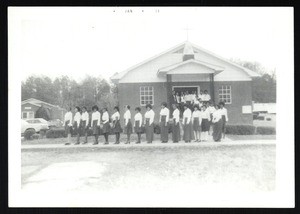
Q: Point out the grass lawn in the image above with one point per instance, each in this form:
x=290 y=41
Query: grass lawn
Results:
x=244 y=168
x=123 y=138
x=251 y=137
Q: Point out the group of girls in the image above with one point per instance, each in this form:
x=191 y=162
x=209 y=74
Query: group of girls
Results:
x=191 y=98
x=99 y=122
x=196 y=125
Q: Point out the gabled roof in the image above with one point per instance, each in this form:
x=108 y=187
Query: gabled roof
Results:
x=38 y=105
x=212 y=68
x=248 y=71
x=118 y=75
x=183 y=45
x=37 y=102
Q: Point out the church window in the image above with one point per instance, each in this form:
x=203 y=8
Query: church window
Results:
x=225 y=94
x=146 y=95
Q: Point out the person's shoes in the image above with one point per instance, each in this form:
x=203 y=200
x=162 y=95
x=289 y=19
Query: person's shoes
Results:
x=67 y=144
x=126 y=142
x=84 y=142
x=196 y=141
x=76 y=143
x=95 y=143
x=106 y=143
x=137 y=142
x=117 y=142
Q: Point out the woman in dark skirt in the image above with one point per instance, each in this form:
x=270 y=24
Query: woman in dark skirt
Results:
x=76 y=125
x=224 y=117
x=211 y=109
x=116 y=124
x=187 y=126
x=217 y=127
x=175 y=125
x=164 y=122
x=196 y=119
x=138 y=120
x=205 y=115
x=149 y=126
x=127 y=123
x=106 y=126
x=84 y=124
x=96 y=120
x=68 y=125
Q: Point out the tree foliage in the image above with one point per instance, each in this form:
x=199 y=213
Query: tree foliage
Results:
x=264 y=87
x=66 y=92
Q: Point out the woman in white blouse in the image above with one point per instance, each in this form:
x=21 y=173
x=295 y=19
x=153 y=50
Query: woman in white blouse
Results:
x=76 y=124
x=116 y=124
x=187 y=128
x=138 y=120
x=149 y=126
x=96 y=120
x=68 y=125
x=205 y=115
x=106 y=126
x=127 y=123
x=196 y=119
x=175 y=125
x=85 y=123
x=164 y=122
x=217 y=121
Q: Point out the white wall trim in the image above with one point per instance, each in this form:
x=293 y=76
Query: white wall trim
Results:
x=187 y=86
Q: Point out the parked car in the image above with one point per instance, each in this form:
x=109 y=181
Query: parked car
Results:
x=55 y=123
x=34 y=124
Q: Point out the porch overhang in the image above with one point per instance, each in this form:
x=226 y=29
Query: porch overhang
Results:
x=190 y=67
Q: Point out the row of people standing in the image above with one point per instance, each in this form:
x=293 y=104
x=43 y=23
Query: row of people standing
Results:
x=99 y=123
x=195 y=124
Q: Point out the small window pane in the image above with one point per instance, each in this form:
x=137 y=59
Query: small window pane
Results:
x=225 y=93
x=146 y=95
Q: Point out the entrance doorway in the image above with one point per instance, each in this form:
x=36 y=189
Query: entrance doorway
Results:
x=189 y=89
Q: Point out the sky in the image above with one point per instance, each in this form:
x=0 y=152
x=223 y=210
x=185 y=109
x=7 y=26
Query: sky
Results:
x=96 y=41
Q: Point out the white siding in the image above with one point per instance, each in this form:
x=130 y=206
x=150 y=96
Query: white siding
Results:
x=147 y=72
x=190 y=78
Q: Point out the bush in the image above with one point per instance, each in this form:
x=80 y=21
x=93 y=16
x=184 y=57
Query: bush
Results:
x=240 y=129
x=28 y=134
x=56 y=133
x=265 y=130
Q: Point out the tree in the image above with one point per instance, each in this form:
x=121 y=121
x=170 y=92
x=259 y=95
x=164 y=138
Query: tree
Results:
x=43 y=112
x=264 y=87
x=66 y=92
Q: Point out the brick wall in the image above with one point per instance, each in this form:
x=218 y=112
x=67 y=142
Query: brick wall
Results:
x=241 y=93
x=129 y=94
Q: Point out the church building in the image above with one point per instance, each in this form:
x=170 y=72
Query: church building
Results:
x=187 y=67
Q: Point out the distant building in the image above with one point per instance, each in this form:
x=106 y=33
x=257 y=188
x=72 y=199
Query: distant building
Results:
x=30 y=106
x=187 y=67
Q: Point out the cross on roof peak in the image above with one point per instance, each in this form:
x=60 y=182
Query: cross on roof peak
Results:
x=187 y=32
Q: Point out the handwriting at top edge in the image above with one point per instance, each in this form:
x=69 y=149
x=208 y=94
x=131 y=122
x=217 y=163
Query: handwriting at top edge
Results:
x=131 y=11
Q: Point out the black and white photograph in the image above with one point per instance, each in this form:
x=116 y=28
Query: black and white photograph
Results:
x=151 y=106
